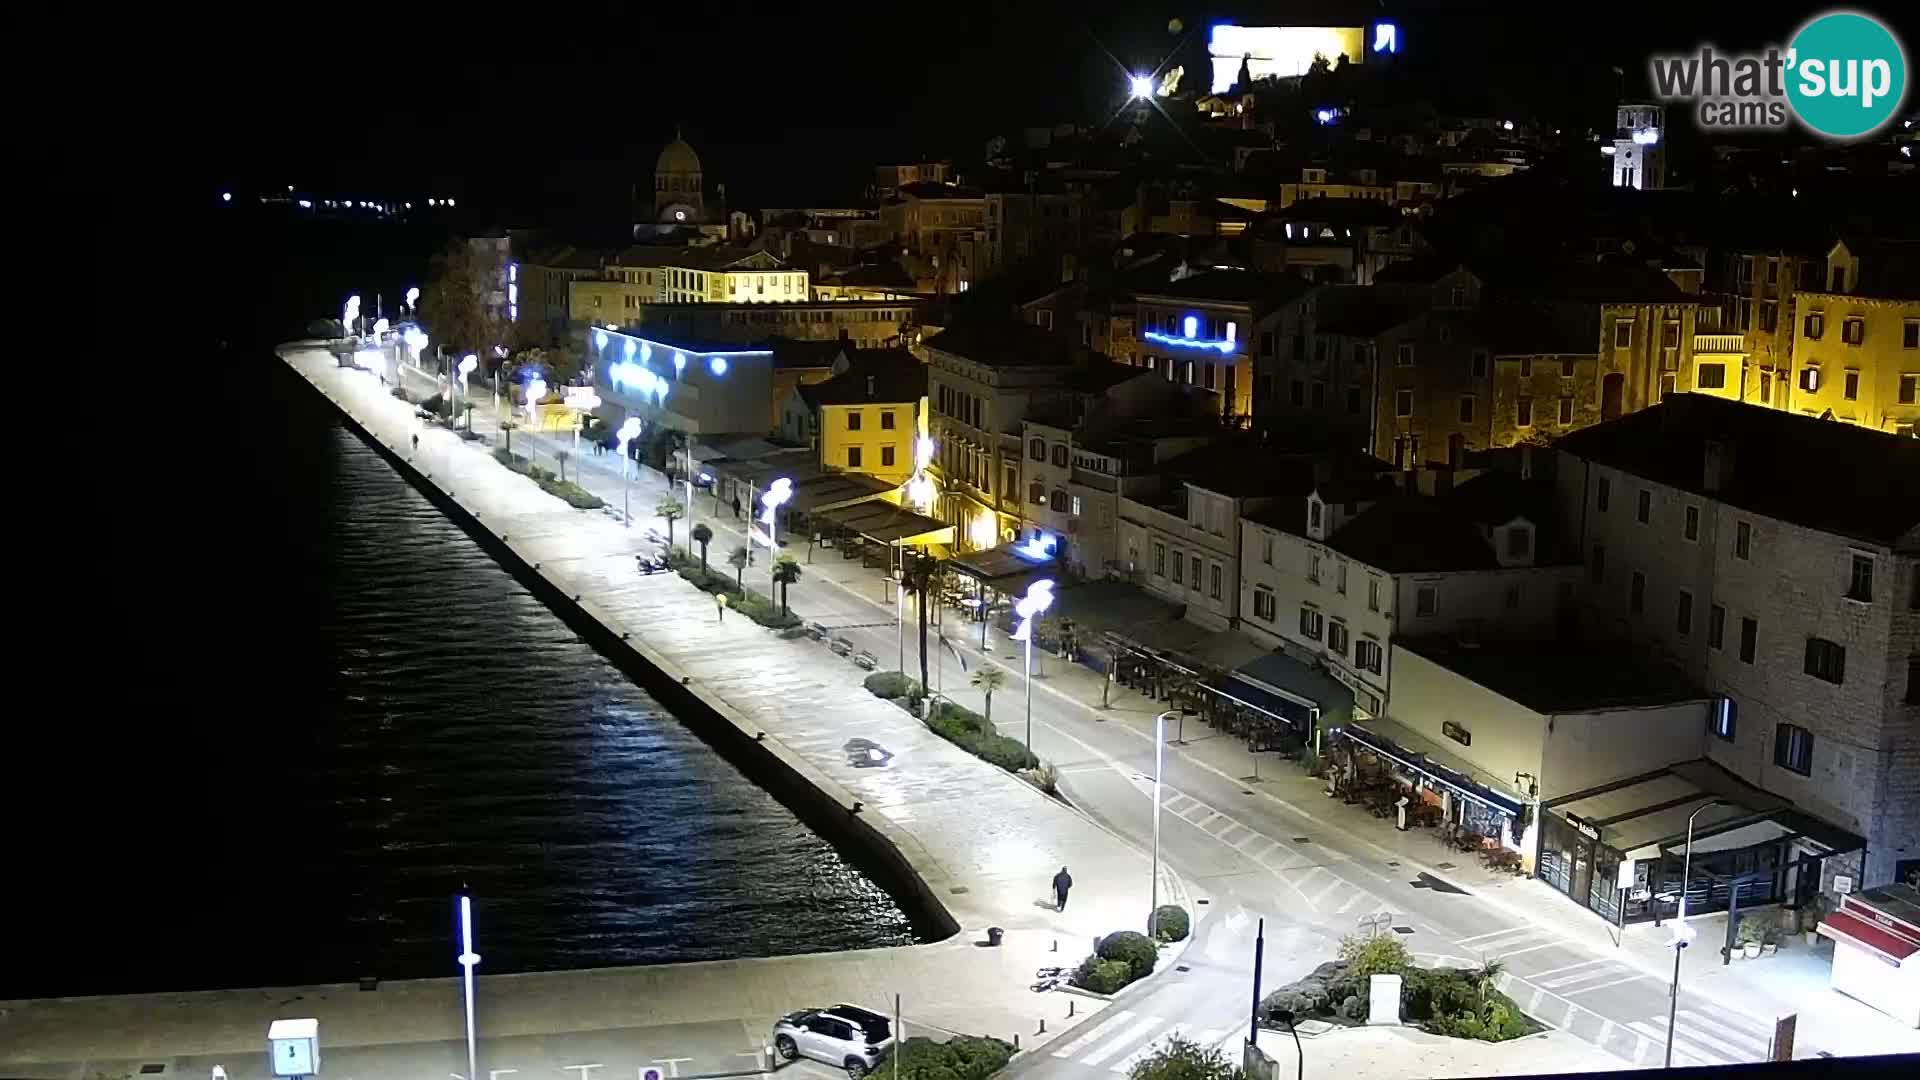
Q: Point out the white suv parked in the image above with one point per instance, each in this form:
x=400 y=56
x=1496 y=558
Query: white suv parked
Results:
x=845 y=1036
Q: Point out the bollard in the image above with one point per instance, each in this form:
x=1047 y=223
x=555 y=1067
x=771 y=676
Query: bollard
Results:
x=1016 y=1042
x=1056 y=945
x=1043 y=1026
x=1070 y=1004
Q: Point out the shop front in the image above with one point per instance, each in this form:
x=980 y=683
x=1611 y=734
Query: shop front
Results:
x=1622 y=849
x=1380 y=763
x=1876 y=950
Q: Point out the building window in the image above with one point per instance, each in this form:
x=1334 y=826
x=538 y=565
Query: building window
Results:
x=1297 y=393
x=1036 y=493
x=1711 y=377
x=1691 y=528
x=1683 y=614
x=1913 y=680
x=1012 y=485
x=1670 y=335
x=1179 y=569
x=1076 y=506
x=1060 y=455
x=1058 y=501
x=1523 y=412
x=1355 y=402
x=1720 y=721
x=1478 y=365
x=1599 y=563
x=1366 y=655
x=1037 y=449
x=1373 y=594
x=1749 y=640
x=1311 y=624
x=853 y=457
x=1810 y=378
x=1643 y=510
x=886 y=419
x=1402 y=403
x=1266 y=548
x=1602 y=494
x=1637 y=593
x=1159 y=560
x=1566 y=410
x=1337 y=638
x=1623 y=333
x=1814 y=325
x=1909 y=389
x=1314 y=509
x=886 y=457
x=1263 y=603
x=1513 y=597
x=1519 y=542
x=1566 y=367
x=1853 y=331
x=1340 y=578
x=1826 y=660
x=1793 y=748
x=1850 y=385
x=1910 y=334
x=1466 y=408
x=1742 y=540
x=1213 y=580
x=1526 y=367
x=1716 y=626
x=1194 y=584
x=1860 y=579
x=1426 y=600
x=853 y=420
x=1403 y=356
x=1313 y=569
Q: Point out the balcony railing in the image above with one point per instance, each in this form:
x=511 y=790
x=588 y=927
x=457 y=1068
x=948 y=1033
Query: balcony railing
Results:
x=1719 y=343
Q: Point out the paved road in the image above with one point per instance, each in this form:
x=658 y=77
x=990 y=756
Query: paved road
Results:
x=1245 y=853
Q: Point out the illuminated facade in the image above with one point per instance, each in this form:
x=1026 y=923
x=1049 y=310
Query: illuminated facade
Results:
x=681 y=385
x=1199 y=331
x=1640 y=147
x=1856 y=339
x=871 y=413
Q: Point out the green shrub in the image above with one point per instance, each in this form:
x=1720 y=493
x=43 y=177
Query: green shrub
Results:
x=1135 y=949
x=1180 y=1058
x=892 y=684
x=1366 y=957
x=1102 y=976
x=1007 y=752
x=1170 y=923
x=435 y=404
x=970 y=732
x=1043 y=776
x=401 y=393
x=963 y=1057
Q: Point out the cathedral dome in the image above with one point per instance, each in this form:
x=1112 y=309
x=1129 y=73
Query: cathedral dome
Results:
x=679 y=158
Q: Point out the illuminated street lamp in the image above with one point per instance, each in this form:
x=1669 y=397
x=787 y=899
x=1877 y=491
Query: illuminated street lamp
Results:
x=467 y=364
x=536 y=389
x=1682 y=931
x=773 y=498
x=351 y=314
x=920 y=488
x=1038 y=598
x=1140 y=86
x=413 y=296
x=468 y=961
x=585 y=403
x=629 y=431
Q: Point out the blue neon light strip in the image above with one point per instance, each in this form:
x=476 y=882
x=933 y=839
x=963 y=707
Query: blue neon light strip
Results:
x=1190 y=343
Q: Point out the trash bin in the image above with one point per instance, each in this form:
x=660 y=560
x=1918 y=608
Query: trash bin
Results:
x=994 y=934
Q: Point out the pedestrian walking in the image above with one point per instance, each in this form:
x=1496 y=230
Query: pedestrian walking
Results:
x=416 y=442
x=736 y=508
x=1062 y=881
x=720 y=605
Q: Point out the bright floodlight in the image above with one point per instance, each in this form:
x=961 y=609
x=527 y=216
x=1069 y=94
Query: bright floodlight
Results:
x=416 y=340
x=536 y=389
x=226 y=196
x=680 y=362
x=777 y=493
x=413 y=296
x=1038 y=599
x=717 y=365
x=1141 y=86
x=467 y=364
x=630 y=348
x=628 y=432
x=380 y=326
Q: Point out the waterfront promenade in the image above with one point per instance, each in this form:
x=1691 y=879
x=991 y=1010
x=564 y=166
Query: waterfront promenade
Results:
x=984 y=843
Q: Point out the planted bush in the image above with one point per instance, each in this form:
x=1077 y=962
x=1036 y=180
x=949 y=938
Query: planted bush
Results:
x=575 y=496
x=970 y=732
x=1102 y=976
x=1170 y=923
x=1135 y=950
x=963 y=1057
x=892 y=684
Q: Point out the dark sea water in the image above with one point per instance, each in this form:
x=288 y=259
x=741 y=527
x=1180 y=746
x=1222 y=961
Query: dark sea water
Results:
x=326 y=709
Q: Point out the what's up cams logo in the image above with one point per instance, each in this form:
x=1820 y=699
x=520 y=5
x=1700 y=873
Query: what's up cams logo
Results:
x=1843 y=76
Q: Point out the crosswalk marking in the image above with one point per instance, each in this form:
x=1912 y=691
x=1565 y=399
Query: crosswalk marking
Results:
x=1493 y=934
x=1504 y=953
x=1121 y=1041
x=1539 y=975
x=1683 y=1052
x=1086 y=1040
x=1621 y=981
x=1710 y=1037
x=1202 y=1039
x=1734 y=1027
x=1578 y=977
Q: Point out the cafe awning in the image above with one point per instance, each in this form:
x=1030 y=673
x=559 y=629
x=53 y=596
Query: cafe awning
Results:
x=1887 y=945
x=885 y=523
x=1645 y=816
x=1415 y=754
x=1004 y=568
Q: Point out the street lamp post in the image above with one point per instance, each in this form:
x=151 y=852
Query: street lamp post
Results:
x=467 y=364
x=1038 y=598
x=586 y=403
x=629 y=431
x=413 y=300
x=773 y=498
x=468 y=961
x=1682 y=932
x=536 y=389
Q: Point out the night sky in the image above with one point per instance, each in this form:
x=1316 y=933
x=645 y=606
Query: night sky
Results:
x=540 y=116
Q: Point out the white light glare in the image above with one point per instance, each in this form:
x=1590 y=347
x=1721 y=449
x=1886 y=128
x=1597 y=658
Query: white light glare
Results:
x=226 y=196
x=1038 y=599
x=1141 y=86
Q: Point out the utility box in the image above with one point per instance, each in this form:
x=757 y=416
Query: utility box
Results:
x=293 y=1047
x=1383 y=1000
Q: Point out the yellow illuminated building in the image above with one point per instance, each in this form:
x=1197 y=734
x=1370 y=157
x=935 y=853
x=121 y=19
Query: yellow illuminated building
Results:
x=872 y=413
x=1856 y=340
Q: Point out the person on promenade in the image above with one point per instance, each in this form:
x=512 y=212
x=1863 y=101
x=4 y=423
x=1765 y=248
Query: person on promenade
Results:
x=1062 y=881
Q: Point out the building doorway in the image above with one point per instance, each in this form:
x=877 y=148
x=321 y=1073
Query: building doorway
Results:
x=1613 y=392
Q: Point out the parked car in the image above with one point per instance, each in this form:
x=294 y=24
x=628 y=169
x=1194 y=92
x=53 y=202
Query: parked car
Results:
x=843 y=1035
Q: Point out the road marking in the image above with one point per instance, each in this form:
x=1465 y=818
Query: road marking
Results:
x=1270 y=842
x=1574 y=980
x=1539 y=975
x=1735 y=1028
x=1083 y=1041
x=1703 y=1044
x=1231 y=825
x=1683 y=1052
x=1602 y=986
x=1122 y=1040
x=1203 y=1039
x=1333 y=884
x=1356 y=898
x=1493 y=934
x=1532 y=948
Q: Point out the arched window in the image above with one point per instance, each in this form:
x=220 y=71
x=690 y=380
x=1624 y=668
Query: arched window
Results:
x=1037 y=450
x=1036 y=493
x=1059 y=500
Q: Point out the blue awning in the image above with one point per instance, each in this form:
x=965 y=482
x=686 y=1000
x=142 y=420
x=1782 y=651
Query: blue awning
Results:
x=1453 y=778
x=1297 y=716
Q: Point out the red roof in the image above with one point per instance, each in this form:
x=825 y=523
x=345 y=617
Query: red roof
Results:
x=1841 y=926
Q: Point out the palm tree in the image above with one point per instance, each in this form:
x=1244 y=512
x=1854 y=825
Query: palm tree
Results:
x=919 y=574
x=670 y=509
x=786 y=571
x=703 y=536
x=1486 y=979
x=738 y=560
x=987 y=680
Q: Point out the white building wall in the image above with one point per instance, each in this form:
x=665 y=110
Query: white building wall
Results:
x=1586 y=749
x=1508 y=737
